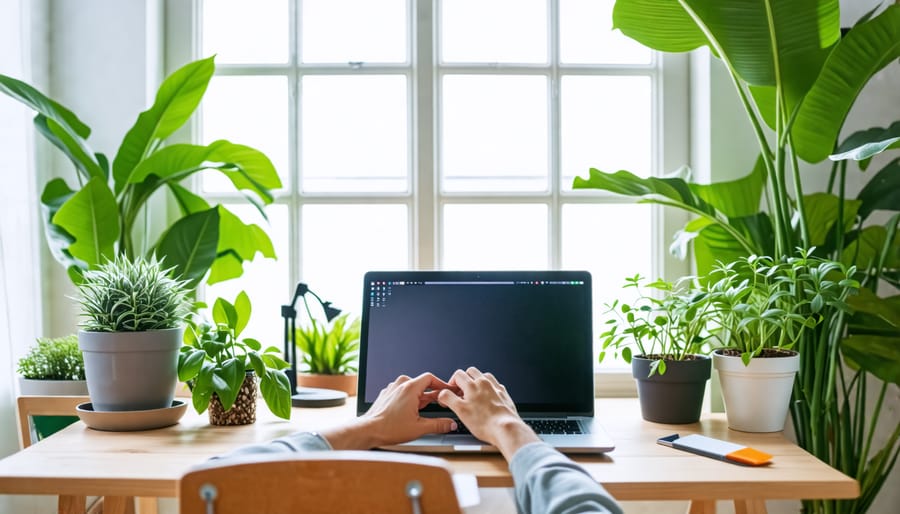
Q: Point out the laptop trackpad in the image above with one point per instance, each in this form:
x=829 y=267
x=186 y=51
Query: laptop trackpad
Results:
x=463 y=441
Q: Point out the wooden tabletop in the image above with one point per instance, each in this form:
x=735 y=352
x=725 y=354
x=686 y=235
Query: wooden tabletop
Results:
x=83 y=461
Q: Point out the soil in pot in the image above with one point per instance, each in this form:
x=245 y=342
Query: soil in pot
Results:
x=243 y=412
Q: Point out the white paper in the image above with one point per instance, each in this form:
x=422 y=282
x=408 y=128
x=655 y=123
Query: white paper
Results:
x=466 y=486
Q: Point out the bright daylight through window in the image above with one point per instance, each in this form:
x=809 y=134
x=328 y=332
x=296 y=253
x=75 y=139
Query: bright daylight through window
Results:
x=422 y=135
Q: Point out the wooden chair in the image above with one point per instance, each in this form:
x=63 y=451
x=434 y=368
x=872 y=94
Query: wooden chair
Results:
x=320 y=482
x=29 y=406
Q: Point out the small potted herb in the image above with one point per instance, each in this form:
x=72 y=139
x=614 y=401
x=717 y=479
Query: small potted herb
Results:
x=667 y=326
x=761 y=308
x=134 y=323
x=52 y=367
x=330 y=352
x=222 y=370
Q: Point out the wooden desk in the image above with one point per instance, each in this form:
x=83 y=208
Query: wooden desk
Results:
x=79 y=461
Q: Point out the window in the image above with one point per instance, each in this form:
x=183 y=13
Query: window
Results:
x=438 y=135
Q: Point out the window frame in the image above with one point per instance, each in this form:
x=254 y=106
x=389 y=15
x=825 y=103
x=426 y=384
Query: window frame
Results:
x=424 y=200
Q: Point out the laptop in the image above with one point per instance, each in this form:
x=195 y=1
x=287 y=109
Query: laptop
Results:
x=531 y=329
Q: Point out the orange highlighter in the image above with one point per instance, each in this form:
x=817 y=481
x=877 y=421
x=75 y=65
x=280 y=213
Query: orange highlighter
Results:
x=717 y=449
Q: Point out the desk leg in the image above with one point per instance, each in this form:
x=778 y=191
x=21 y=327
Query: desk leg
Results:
x=702 y=507
x=147 y=505
x=750 y=506
x=118 y=505
x=71 y=504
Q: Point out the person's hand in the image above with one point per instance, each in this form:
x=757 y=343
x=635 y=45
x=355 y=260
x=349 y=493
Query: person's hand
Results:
x=484 y=406
x=394 y=416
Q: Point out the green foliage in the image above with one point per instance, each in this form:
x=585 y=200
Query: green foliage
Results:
x=53 y=359
x=330 y=349
x=122 y=295
x=215 y=360
x=667 y=328
x=102 y=217
x=759 y=303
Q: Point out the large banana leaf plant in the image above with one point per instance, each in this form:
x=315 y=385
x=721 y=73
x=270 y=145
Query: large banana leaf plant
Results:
x=102 y=215
x=797 y=74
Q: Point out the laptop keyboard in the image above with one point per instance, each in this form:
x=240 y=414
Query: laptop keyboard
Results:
x=540 y=426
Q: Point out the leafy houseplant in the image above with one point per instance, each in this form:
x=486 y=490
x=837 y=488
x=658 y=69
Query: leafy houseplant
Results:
x=102 y=216
x=54 y=366
x=221 y=370
x=329 y=353
x=761 y=309
x=797 y=75
x=133 y=330
x=670 y=335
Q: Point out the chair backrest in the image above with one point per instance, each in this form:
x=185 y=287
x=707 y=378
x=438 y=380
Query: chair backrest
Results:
x=29 y=406
x=320 y=482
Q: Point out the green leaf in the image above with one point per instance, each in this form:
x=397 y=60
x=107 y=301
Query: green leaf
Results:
x=227 y=380
x=882 y=192
x=276 y=391
x=877 y=355
x=227 y=265
x=190 y=362
x=238 y=242
x=48 y=108
x=865 y=144
x=177 y=98
x=75 y=148
x=248 y=169
x=888 y=309
x=55 y=195
x=242 y=310
x=187 y=201
x=865 y=249
x=190 y=245
x=821 y=215
x=862 y=52
x=659 y=24
x=202 y=389
x=224 y=313
x=256 y=362
x=91 y=216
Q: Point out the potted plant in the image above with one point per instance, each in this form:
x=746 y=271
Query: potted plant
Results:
x=762 y=308
x=329 y=354
x=134 y=323
x=221 y=370
x=671 y=368
x=798 y=74
x=102 y=216
x=53 y=367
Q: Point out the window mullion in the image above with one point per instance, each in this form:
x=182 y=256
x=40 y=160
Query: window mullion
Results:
x=424 y=225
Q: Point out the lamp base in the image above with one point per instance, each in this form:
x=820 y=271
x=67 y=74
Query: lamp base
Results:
x=317 y=397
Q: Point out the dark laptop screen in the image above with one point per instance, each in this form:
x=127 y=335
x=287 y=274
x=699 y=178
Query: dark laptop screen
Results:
x=532 y=330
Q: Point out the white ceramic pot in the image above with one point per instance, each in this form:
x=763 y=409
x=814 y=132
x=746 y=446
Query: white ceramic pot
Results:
x=29 y=386
x=757 y=396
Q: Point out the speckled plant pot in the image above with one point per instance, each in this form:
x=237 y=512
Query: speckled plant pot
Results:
x=243 y=412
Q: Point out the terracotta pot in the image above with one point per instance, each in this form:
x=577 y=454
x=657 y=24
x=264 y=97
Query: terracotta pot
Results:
x=243 y=412
x=345 y=383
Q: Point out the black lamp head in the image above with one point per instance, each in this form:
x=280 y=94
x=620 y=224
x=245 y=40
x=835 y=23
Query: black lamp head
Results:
x=330 y=311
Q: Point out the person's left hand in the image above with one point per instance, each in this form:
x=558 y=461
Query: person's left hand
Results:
x=394 y=416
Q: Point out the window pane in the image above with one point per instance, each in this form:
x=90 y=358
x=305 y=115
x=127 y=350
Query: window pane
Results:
x=501 y=31
x=263 y=279
x=586 y=35
x=338 y=31
x=611 y=241
x=246 y=32
x=342 y=242
x=606 y=124
x=248 y=110
x=494 y=133
x=354 y=133
x=495 y=236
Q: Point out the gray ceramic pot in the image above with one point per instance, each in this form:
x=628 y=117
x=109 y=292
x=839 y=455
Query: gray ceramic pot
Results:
x=677 y=396
x=129 y=371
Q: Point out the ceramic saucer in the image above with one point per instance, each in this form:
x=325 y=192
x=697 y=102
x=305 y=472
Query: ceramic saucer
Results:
x=128 y=421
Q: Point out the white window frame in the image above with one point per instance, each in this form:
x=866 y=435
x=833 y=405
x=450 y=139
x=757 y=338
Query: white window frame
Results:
x=424 y=201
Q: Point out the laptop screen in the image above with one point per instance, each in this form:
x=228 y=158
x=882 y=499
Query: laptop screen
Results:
x=532 y=330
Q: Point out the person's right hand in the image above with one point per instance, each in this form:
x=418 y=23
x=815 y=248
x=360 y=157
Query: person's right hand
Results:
x=487 y=410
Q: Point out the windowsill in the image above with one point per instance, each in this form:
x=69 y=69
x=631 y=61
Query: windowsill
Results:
x=614 y=383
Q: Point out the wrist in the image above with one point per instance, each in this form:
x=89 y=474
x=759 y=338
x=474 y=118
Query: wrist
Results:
x=355 y=435
x=512 y=434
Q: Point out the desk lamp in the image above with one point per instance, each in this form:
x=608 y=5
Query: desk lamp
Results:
x=306 y=396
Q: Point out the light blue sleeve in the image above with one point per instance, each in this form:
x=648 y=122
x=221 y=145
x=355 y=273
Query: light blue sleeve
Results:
x=547 y=481
x=299 y=442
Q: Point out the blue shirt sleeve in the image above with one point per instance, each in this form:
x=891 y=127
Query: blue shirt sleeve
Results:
x=547 y=481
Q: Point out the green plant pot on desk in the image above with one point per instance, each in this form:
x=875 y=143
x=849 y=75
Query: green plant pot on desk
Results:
x=53 y=367
x=329 y=354
x=671 y=368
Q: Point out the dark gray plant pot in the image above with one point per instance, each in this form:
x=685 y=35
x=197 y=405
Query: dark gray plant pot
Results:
x=677 y=396
x=129 y=371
